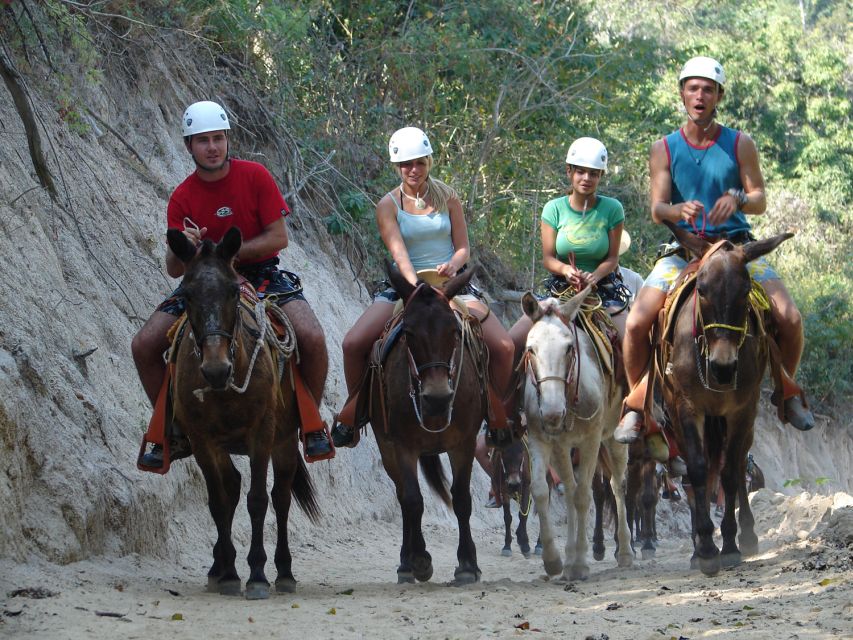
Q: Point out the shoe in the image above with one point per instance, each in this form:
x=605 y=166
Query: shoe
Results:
x=674 y=496
x=492 y=503
x=677 y=467
x=342 y=435
x=316 y=444
x=629 y=427
x=561 y=488
x=153 y=458
x=658 y=448
x=798 y=415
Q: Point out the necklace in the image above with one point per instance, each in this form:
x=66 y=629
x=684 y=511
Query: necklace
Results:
x=698 y=157
x=420 y=203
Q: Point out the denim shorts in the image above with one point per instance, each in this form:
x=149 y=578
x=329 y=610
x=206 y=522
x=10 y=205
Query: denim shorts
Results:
x=386 y=293
x=666 y=270
x=268 y=280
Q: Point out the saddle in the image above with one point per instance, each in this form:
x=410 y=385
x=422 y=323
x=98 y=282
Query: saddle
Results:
x=160 y=426
x=369 y=403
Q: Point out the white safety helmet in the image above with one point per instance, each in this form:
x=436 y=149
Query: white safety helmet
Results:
x=702 y=67
x=624 y=242
x=408 y=143
x=204 y=116
x=589 y=153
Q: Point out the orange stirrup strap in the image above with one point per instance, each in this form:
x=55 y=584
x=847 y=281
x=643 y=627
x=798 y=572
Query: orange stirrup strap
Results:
x=156 y=433
x=309 y=414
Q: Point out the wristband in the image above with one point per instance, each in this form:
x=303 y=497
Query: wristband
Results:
x=739 y=195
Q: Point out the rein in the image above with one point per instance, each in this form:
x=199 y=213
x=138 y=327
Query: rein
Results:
x=262 y=322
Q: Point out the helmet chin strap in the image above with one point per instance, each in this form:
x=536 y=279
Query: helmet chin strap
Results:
x=698 y=122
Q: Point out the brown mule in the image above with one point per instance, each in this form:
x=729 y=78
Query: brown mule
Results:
x=433 y=403
x=711 y=387
x=228 y=400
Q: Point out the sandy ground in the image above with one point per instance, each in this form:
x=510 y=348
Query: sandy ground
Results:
x=798 y=587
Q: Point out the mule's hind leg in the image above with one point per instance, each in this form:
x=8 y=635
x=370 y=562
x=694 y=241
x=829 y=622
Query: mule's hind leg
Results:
x=598 y=497
x=223 y=494
x=507 y=549
x=461 y=462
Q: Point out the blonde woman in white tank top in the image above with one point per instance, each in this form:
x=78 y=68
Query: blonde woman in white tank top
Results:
x=418 y=200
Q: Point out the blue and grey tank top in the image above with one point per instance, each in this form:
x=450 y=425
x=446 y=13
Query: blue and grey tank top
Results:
x=705 y=174
x=427 y=237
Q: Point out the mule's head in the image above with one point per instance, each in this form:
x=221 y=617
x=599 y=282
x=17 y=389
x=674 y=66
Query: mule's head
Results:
x=210 y=287
x=515 y=463
x=432 y=335
x=722 y=296
x=550 y=354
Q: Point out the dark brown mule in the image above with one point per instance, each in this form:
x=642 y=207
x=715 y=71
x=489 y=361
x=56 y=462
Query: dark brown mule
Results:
x=224 y=348
x=711 y=388
x=641 y=498
x=511 y=467
x=430 y=402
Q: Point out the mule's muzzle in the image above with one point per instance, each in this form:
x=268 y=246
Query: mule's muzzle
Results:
x=723 y=373
x=436 y=400
x=217 y=374
x=513 y=482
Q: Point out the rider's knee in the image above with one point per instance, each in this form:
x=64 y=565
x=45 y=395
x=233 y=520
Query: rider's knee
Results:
x=312 y=341
x=356 y=343
x=790 y=320
x=639 y=323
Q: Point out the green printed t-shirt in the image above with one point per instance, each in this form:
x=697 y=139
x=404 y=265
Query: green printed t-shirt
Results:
x=584 y=234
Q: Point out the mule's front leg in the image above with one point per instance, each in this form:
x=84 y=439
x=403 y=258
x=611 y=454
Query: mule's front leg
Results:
x=540 y=456
x=577 y=542
x=507 y=550
x=258 y=587
x=692 y=427
x=223 y=495
x=461 y=462
x=618 y=454
x=415 y=561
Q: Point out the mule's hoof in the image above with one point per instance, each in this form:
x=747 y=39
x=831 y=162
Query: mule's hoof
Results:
x=694 y=562
x=422 y=568
x=579 y=572
x=526 y=554
x=730 y=559
x=710 y=566
x=285 y=585
x=748 y=546
x=229 y=587
x=598 y=554
x=647 y=554
x=257 y=590
x=213 y=584
x=538 y=550
x=405 y=577
x=506 y=552
x=462 y=577
x=553 y=566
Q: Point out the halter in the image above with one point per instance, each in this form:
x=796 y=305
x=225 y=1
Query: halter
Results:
x=416 y=370
x=700 y=340
x=572 y=378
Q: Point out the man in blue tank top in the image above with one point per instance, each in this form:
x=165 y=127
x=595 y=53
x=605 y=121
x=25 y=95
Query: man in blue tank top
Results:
x=706 y=178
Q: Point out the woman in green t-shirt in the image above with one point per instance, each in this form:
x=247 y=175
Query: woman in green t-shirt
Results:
x=581 y=235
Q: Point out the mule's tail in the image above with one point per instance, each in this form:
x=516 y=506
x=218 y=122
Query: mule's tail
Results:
x=434 y=474
x=303 y=490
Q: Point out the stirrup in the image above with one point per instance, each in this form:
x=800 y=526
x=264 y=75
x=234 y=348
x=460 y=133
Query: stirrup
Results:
x=318 y=448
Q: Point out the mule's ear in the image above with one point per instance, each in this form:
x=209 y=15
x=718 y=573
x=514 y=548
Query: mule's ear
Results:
x=758 y=248
x=530 y=306
x=230 y=244
x=693 y=243
x=458 y=282
x=398 y=281
x=180 y=245
x=570 y=308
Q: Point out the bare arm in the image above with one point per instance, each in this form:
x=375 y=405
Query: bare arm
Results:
x=389 y=230
x=661 y=190
x=459 y=237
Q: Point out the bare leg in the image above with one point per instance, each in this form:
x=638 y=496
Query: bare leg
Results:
x=359 y=341
x=314 y=357
x=636 y=347
x=518 y=334
x=500 y=348
x=147 y=347
x=789 y=324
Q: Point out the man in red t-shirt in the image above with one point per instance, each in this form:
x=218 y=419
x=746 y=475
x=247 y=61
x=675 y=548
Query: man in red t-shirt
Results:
x=221 y=193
